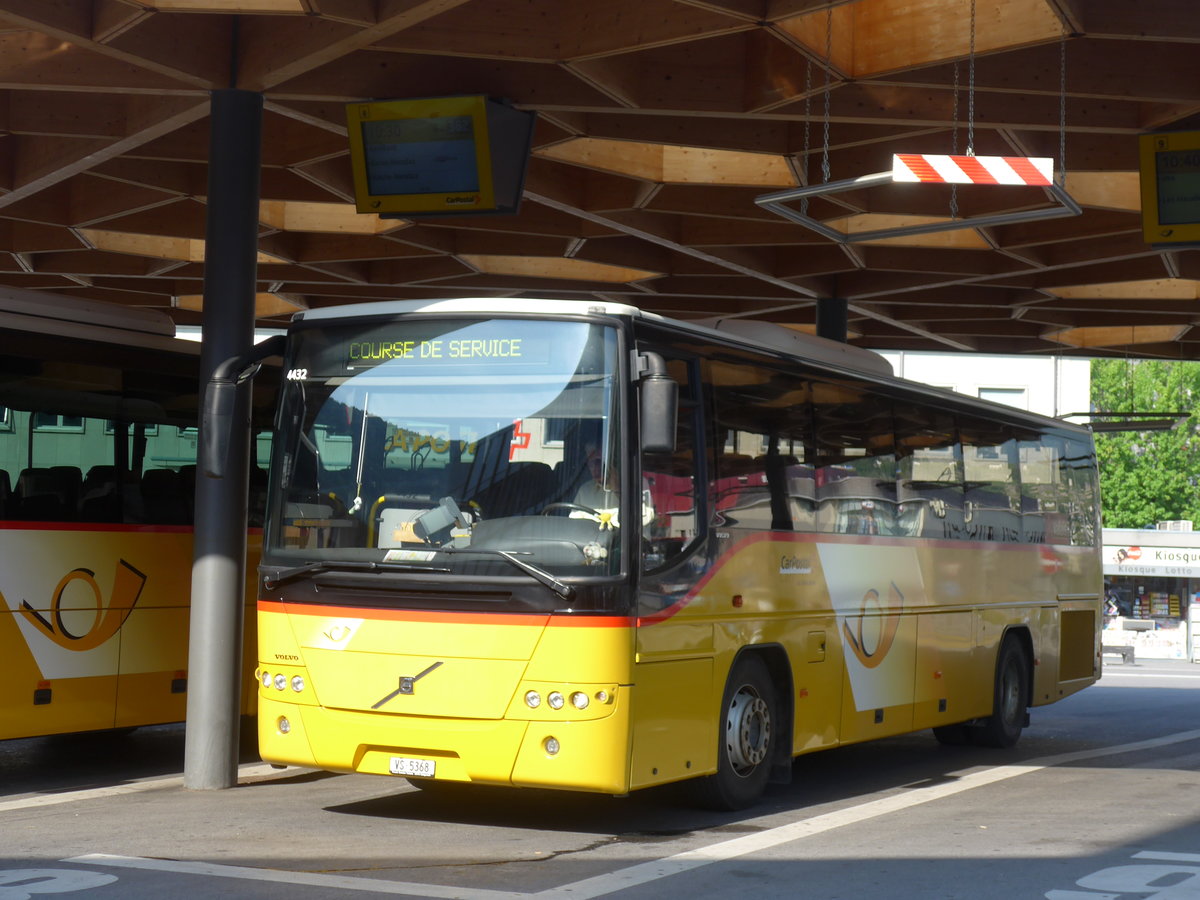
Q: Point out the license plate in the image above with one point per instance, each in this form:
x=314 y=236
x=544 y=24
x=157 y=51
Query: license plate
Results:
x=407 y=765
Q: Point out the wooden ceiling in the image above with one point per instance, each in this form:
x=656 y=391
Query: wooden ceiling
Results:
x=660 y=122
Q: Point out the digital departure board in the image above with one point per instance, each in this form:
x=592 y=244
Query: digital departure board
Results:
x=438 y=156
x=493 y=345
x=1170 y=181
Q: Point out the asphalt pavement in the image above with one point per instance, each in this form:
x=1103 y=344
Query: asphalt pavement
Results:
x=1101 y=799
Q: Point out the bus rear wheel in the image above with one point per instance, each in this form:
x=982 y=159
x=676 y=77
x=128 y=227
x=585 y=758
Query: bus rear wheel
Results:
x=749 y=717
x=1010 y=699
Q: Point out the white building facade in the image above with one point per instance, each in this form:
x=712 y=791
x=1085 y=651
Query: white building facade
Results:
x=1050 y=385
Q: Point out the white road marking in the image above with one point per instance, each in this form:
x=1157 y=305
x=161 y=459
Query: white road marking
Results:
x=692 y=859
x=307 y=879
x=644 y=873
x=1109 y=674
x=133 y=787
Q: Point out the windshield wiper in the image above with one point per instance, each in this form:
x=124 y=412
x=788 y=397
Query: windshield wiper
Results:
x=272 y=581
x=563 y=590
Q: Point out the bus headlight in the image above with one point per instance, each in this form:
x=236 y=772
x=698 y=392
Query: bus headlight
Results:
x=284 y=725
x=533 y=699
x=551 y=745
x=266 y=679
x=297 y=683
x=579 y=700
x=555 y=699
x=280 y=682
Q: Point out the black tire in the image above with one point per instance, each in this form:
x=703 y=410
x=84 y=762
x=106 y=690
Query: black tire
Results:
x=747 y=739
x=1010 y=698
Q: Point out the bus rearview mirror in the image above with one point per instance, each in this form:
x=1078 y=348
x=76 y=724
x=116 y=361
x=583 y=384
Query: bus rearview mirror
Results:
x=659 y=395
x=220 y=401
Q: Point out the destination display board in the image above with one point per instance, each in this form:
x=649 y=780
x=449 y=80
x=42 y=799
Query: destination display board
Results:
x=438 y=156
x=1170 y=182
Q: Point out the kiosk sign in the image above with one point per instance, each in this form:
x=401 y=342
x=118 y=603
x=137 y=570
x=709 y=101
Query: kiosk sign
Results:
x=1154 y=562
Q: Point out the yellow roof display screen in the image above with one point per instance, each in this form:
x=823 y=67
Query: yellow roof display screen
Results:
x=437 y=156
x=1170 y=168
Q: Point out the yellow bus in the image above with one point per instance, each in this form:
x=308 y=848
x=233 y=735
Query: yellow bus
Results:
x=579 y=546
x=98 y=413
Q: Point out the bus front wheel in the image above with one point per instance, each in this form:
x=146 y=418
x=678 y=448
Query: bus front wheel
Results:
x=1011 y=698
x=749 y=718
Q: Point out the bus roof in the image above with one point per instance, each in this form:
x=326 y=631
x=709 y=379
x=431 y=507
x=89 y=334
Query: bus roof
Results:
x=755 y=332
x=752 y=333
x=45 y=312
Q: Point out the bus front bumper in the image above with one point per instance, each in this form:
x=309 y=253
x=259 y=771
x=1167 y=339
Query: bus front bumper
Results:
x=590 y=755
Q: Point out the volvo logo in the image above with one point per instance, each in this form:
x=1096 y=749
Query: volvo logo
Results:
x=406 y=685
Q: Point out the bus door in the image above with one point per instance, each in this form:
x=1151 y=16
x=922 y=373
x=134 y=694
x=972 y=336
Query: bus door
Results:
x=675 y=712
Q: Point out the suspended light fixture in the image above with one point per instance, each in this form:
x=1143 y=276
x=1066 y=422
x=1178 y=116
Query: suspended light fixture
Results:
x=952 y=169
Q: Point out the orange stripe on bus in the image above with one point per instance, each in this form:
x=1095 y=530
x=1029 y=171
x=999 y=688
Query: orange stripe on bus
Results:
x=449 y=617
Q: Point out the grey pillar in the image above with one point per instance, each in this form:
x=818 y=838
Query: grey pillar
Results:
x=219 y=560
x=832 y=318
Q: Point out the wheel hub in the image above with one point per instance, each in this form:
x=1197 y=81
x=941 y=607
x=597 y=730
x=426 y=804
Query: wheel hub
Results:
x=748 y=732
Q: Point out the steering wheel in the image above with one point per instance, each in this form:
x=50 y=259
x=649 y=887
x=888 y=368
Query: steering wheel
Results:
x=578 y=507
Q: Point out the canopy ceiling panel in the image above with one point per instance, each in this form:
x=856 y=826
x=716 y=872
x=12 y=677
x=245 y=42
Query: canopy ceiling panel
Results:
x=660 y=122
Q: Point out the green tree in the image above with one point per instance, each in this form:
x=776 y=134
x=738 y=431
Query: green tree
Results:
x=1148 y=476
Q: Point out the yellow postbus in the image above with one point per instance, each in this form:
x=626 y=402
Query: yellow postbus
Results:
x=98 y=413
x=574 y=545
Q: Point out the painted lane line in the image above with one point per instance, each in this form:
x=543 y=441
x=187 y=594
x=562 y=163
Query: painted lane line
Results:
x=645 y=873
x=1108 y=675
x=306 y=879
x=133 y=787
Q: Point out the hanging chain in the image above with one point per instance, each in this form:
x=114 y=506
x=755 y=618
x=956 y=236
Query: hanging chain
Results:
x=807 y=129
x=1062 y=110
x=954 y=130
x=954 y=146
x=828 y=66
x=971 y=88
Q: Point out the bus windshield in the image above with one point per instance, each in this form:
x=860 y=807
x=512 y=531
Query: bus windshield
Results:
x=464 y=445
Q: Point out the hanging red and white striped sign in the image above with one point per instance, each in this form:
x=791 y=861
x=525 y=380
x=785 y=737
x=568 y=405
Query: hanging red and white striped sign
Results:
x=938 y=169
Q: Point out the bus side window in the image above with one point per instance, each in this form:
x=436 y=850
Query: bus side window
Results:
x=763 y=444
x=992 y=502
x=1040 y=458
x=856 y=460
x=741 y=495
x=1079 y=492
x=929 y=490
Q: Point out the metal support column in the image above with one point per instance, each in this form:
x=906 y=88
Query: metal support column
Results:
x=219 y=561
x=832 y=318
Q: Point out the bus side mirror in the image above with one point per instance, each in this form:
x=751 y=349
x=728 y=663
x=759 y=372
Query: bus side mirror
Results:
x=220 y=401
x=659 y=396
